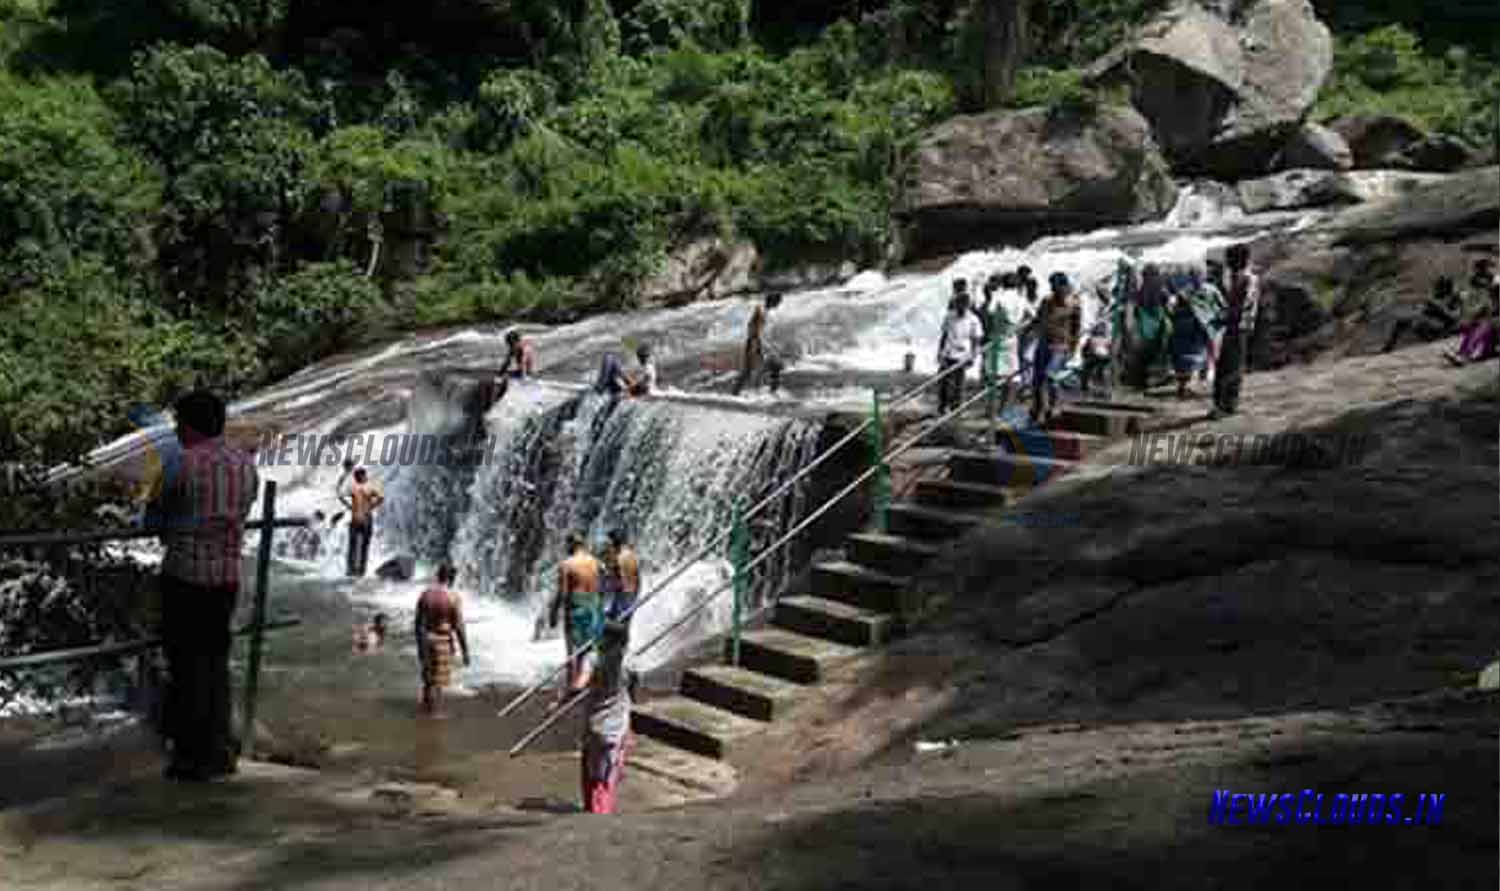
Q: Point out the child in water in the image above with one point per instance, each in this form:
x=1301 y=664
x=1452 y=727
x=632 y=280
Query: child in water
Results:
x=371 y=637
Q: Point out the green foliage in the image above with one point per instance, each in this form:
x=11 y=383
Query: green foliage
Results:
x=234 y=138
x=1387 y=71
x=66 y=189
x=316 y=310
x=76 y=355
x=511 y=102
x=713 y=25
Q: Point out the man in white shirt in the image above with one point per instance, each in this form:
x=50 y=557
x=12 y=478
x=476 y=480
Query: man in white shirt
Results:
x=962 y=334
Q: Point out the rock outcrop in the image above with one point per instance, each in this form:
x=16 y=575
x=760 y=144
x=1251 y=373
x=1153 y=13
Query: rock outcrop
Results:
x=1378 y=141
x=1297 y=189
x=1224 y=88
x=1315 y=147
x=1005 y=176
x=704 y=269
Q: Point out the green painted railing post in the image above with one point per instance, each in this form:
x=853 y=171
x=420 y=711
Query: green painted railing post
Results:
x=882 y=494
x=258 y=617
x=739 y=556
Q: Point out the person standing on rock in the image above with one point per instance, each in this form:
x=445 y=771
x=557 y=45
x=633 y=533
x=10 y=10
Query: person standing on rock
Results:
x=1241 y=307
x=607 y=738
x=755 y=362
x=1060 y=323
x=579 y=593
x=439 y=627
x=960 y=340
x=364 y=499
x=200 y=513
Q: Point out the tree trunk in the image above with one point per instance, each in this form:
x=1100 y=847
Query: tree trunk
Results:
x=1004 y=47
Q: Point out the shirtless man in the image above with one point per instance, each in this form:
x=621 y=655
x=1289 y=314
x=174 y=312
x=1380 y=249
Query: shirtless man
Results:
x=578 y=587
x=364 y=498
x=624 y=570
x=519 y=364
x=755 y=346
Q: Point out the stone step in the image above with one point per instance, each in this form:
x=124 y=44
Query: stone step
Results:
x=1113 y=423
x=1006 y=469
x=949 y=493
x=1066 y=445
x=928 y=525
x=697 y=778
x=858 y=585
x=747 y=693
x=834 y=620
x=889 y=554
x=692 y=725
x=789 y=655
x=1143 y=408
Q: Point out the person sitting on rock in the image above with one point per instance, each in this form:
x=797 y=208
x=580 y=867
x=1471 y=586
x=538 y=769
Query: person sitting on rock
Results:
x=643 y=379
x=1439 y=317
x=307 y=542
x=1479 y=337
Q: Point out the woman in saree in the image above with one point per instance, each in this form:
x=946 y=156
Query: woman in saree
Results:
x=1190 y=336
x=1152 y=328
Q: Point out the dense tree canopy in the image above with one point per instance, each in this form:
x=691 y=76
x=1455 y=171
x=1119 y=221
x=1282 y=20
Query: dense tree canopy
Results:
x=227 y=190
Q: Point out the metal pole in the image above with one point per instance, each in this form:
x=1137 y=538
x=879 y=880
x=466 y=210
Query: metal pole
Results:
x=882 y=493
x=258 y=618
x=739 y=554
x=992 y=378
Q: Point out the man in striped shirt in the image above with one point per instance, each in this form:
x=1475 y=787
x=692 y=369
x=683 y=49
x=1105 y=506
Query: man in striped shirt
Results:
x=200 y=514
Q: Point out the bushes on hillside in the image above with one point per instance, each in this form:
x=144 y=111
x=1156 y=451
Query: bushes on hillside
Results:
x=1387 y=71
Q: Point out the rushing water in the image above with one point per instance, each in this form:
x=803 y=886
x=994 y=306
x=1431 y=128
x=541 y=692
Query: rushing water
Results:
x=667 y=470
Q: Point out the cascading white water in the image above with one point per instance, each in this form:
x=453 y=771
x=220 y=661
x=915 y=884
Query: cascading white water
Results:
x=667 y=475
x=665 y=471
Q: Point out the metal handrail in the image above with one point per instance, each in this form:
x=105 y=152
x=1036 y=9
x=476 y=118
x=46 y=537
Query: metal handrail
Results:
x=905 y=446
x=41 y=539
x=723 y=534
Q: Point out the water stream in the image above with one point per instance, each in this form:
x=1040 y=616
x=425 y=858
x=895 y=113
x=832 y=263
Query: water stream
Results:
x=669 y=470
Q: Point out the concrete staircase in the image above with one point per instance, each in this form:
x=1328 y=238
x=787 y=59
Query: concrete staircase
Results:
x=855 y=605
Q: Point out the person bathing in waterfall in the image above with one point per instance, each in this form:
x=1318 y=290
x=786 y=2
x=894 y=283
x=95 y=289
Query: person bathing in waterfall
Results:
x=439 y=627
x=365 y=497
x=757 y=364
x=607 y=738
x=998 y=363
x=519 y=364
x=579 y=595
x=622 y=571
x=371 y=637
x=643 y=378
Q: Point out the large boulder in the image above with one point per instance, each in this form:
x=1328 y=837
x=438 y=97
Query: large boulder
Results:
x=1315 y=147
x=1012 y=175
x=1378 y=141
x=1224 y=85
x=704 y=269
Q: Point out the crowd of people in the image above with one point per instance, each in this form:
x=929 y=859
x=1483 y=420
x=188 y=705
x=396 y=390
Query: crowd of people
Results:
x=1151 y=326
